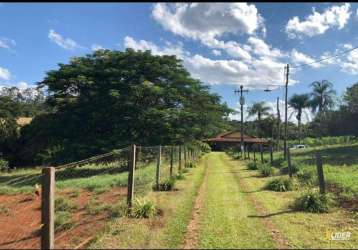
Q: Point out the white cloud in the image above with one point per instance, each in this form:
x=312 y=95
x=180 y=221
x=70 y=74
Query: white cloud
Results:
x=350 y=63
x=95 y=47
x=143 y=45
x=66 y=43
x=208 y=20
x=318 y=23
x=7 y=43
x=5 y=74
x=261 y=48
x=216 y=52
x=301 y=58
x=252 y=73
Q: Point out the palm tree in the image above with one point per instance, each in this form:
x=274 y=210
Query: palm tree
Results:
x=299 y=103
x=259 y=109
x=322 y=96
x=322 y=99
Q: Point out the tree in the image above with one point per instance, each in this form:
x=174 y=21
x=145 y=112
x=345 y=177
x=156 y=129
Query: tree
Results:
x=322 y=96
x=110 y=99
x=298 y=103
x=259 y=109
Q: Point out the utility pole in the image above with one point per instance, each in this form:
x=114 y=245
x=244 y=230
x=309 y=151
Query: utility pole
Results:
x=278 y=123
x=285 y=140
x=242 y=103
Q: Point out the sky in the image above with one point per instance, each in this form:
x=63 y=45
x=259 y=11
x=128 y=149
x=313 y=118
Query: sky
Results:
x=225 y=45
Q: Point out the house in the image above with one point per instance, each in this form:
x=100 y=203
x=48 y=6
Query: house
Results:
x=233 y=139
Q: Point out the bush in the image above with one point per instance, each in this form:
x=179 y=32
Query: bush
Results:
x=266 y=170
x=180 y=176
x=252 y=165
x=184 y=170
x=314 y=202
x=282 y=184
x=94 y=207
x=143 y=208
x=166 y=185
x=64 y=205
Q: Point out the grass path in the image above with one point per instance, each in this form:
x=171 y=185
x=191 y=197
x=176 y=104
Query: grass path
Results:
x=225 y=218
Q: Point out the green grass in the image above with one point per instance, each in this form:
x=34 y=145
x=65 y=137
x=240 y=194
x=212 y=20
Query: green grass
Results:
x=164 y=231
x=301 y=229
x=225 y=222
x=340 y=166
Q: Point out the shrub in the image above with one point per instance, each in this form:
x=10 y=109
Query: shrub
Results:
x=166 y=185
x=184 y=170
x=314 y=202
x=252 y=165
x=143 y=208
x=64 y=205
x=282 y=184
x=63 y=221
x=266 y=170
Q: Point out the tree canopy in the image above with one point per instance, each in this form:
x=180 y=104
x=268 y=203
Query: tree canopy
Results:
x=109 y=99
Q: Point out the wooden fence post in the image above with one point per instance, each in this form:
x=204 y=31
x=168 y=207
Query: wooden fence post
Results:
x=131 y=168
x=289 y=162
x=157 y=174
x=48 y=208
x=179 y=157
x=320 y=174
x=185 y=154
x=271 y=155
x=171 y=160
x=248 y=152
x=262 y=156
x=255 y=154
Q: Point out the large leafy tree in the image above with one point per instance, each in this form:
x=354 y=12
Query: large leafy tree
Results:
x=299 y=103
x=110 y=98
x=322 y=96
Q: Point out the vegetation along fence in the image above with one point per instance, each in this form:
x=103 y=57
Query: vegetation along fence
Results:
x=64 y=206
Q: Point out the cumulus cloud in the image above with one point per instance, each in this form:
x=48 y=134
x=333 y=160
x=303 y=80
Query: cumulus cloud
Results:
x=5 y=74
x=66 y=43
x=300 y=58
x=6 y=43
x=261 y=48
x=349 y=64
x=143 y=45
x=208 y=20
x=216 y=52
x=318 y=23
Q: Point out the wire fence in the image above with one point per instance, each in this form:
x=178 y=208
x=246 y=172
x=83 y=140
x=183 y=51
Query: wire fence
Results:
x=82 y=196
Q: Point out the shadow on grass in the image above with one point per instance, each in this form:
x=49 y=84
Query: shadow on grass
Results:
x=272 y=214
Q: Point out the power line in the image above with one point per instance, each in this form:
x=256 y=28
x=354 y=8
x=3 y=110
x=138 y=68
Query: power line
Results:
x=326 y=58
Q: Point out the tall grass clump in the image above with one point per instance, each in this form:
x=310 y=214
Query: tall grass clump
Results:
x=281 y=184
x=252 y=165
x=266 y=170
x=165 y=185
x=295 y=167
x=142 y=208
x=314 y=202
x=64 y=205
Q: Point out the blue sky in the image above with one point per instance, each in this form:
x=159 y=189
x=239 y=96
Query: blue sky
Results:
x=224 y=45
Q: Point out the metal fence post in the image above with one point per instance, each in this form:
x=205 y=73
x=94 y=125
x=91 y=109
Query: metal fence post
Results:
x=131 y=168
x=48 y=208
x=289 y=162
x=320 y=174
x=157 y=174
